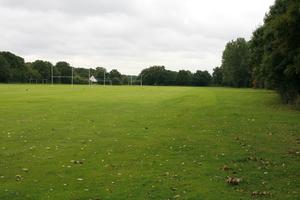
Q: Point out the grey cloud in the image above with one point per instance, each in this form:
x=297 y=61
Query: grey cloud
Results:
x=73 y=7
x=127 y=34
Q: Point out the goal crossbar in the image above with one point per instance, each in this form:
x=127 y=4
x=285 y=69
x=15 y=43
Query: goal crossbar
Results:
x=62 y=76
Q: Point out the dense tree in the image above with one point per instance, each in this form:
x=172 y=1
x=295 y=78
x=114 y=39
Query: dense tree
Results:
x=256 y=52
x=4 y=70
x=13 y=60
x=82 y=72
x=65 y=70
x=32 y=74
x=81 y=75
x=170 y=77
x=280 y=64
x=201 y=78
x=127 y=79
x=184 y=77
x=271 y=58
x=17 y=68
x=80 y=79
x=116 y=77
x=43 y=68
x=100 y=72
x=13 y=69
x=235 y=64
x=217 y=76
x=154 y=75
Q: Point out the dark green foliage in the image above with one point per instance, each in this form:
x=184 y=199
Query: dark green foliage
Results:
x=13 y=69
x=116 y=77
x=275 y=50
x=256 y=52
x=154 y=75
x=16 y=65
x=235 y=64
x=271 y=59
x=282 y=48
x=158 y=75
x=170 y=77
x=4 y=70
x=125 y=79
x=33 y=74
x=43 y=68
x=99 y=72
x=184 y=77
x=13 y=60
x=201 y=78
x=80 y=80
x=217 y=76
x=63 y=69
x=82 y=74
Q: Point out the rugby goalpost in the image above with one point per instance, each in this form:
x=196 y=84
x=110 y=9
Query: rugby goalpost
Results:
x=139 y=81
x=71 y=77
x=91 y=78
x=36 y=81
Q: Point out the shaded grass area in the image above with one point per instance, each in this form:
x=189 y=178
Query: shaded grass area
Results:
x=83 y=142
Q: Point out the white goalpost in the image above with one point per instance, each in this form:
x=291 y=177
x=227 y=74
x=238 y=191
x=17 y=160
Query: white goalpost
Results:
x=59 y=77
x=92 y=79
x=38 y=81
x=138 y=81
x=31 y=81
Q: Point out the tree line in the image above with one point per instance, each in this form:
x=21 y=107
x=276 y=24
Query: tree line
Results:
x=270 y=59
x=13 y=69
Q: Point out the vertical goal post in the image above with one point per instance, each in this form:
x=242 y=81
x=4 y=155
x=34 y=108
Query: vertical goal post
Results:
x=136 y=81
x=37 y=81
x=71 y=77
x=103 y=79
x=91 y=78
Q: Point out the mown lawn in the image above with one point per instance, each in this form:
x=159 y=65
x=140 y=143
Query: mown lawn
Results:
x=77 y=143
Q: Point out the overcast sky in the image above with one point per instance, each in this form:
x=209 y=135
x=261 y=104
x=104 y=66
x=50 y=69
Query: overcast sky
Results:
x=127 y=35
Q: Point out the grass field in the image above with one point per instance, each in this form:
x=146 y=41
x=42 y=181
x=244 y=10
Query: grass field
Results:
x=77 y=143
